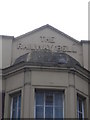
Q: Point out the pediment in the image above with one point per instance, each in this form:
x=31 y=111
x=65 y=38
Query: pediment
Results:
x=46 y=38
x=46 y=28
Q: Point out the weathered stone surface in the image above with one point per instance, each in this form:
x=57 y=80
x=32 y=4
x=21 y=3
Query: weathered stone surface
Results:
x=45 y=57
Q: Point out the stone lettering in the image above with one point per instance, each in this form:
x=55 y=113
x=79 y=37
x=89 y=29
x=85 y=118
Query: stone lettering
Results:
x=52 y=47
x=47 y=39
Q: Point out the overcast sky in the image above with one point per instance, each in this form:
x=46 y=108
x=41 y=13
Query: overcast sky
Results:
x=20 y=16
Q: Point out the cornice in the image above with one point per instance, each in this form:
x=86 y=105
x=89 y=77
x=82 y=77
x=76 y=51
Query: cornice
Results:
x=30 y=67
x=85 y=41
x=5 y=36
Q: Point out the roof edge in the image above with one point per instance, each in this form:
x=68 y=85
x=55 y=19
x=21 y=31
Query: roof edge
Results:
x=6 y=36
x=23 y=66
x=31 y=32
x=85 y=41
x=49 y=26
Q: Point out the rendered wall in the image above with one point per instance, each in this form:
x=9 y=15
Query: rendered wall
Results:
x=6 y=51
x=28 y=81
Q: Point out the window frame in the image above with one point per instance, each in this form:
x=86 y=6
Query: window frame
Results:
x=80 y=97
x=53 y=106
x=16 y=94
x=3 y=103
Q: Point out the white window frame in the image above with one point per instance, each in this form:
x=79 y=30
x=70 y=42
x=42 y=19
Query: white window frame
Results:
x=11 y=110
x=50 y=105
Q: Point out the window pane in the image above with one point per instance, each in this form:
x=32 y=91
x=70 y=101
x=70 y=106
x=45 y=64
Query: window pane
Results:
x=14 y=114
x=14 y=109
x=19 y=101
x=19 y=106
x=58 y=112
x=49 y=104
x=19 y=113
x=80 y=115
x=39 y=99
x=58 y=99
x=14 y=102
x=48 y=99
x=3 y=100
x=16 y=106
x=80 y=105
x=48 y=112
x=39 y=112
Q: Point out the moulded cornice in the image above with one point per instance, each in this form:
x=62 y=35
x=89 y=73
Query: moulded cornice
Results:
x=5 y=36
x=28 y=66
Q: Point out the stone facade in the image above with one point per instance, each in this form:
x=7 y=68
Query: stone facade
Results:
x=45 y=61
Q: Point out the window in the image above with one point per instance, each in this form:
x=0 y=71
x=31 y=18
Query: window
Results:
x=49 y=104
x=15 y=106
x=80 y=107
x=3 y=100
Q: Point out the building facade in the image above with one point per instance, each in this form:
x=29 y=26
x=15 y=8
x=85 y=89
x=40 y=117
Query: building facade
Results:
x=45 y=74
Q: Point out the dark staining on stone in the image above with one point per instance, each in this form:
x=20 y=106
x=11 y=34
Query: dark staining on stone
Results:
x=47 y=57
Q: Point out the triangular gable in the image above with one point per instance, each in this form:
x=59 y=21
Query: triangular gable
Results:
x=46 y=37
x=50 y=27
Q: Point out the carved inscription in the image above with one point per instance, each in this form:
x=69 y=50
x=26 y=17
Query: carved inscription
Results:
x=47 y=39
x=47 y=43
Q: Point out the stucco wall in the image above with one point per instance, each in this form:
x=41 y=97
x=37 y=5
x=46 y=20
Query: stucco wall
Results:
x=0 y=51
x=85 y=48
x=28 y=81
x=14 y=82
x=49 y=78
x=6 y=51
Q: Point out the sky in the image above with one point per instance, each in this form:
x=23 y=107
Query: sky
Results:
x=21 y=16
